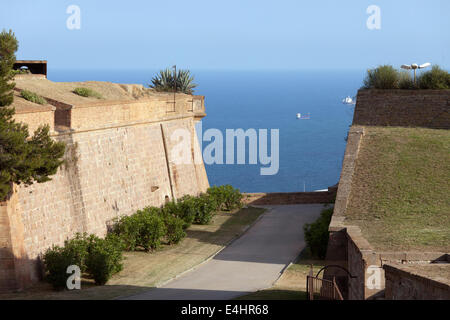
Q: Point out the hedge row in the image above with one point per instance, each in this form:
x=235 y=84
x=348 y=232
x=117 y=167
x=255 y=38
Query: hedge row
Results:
x=150 y=227
x=99 y=258
x=147 y=229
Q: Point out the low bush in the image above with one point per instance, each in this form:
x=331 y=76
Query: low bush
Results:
x=127 y=229
x=104 y=258
x=79 y=248
x=204 y=209
x=20 y=71
x=217 y=196
x=171 y=208
x=405 y=81
x=233 y=198
x=187 y=210
x=386 y=77
x=184 y=208
x=32 y=97
x=86 y=92
x=382 y=77
x=225 y=197
x=56 y=260
x=436 y=78
x=152 y=229
x=143 y=229
x=316 y=234
x=174 y=227
x=99 y=258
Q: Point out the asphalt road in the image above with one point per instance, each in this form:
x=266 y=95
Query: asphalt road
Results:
x=252 y=262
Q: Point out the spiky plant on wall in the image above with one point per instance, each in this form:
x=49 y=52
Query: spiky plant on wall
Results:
x=165 y=80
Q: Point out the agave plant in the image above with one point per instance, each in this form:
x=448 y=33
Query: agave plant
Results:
x=165 y=80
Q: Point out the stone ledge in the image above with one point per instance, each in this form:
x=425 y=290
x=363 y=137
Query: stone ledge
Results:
x=285 y=198
x=413 y=257
x=423 y=275
x=343 y=193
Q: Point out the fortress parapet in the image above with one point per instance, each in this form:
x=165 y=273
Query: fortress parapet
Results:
x=121 y=104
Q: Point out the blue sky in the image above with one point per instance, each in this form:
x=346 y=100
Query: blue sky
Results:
x=231 y=34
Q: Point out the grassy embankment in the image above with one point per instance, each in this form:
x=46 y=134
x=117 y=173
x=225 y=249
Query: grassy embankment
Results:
x=400 y=189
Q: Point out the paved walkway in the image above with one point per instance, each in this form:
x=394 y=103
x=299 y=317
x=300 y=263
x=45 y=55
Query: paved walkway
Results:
x=252 y=262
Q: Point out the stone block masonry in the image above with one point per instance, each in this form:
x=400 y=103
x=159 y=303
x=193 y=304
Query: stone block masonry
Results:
x=403 y=108
x=423 y=282
x=118 y=161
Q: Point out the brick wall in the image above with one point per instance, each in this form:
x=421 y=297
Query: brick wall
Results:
x=410 y=108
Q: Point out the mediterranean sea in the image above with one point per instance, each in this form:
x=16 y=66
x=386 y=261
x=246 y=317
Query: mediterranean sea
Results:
x=311 y=150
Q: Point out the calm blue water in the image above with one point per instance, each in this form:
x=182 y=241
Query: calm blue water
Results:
x=311 y=151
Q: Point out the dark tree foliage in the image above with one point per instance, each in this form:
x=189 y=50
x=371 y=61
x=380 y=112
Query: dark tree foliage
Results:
x=23 y=159
x=8 y=48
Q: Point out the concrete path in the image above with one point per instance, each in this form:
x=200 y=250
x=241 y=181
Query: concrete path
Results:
x=252 y=262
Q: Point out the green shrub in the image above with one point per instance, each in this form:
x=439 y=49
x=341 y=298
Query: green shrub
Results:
x=171 y=208
x=217 y=195
x=405 y=81
x=127 y=228
x=143 y=229
x=116 y=241
x=100 y=258
x=316 y=234
x=152 y=229
x=56 y=260
x=204 y=209
x=78 y=247
x=232 y=198
x=165 y=81
x=32 y=97
x=382 y=77
x=104 y=258
x=20 y=71
x=86 y=92
x=174 y=228
x=225 y=197
x=185 y=209
x=436 y=78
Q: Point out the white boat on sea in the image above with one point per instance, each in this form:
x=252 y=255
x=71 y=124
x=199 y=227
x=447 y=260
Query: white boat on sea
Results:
x=305 y=117
x=349 y=100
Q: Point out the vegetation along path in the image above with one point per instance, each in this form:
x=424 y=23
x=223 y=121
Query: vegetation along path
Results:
x=252 y=262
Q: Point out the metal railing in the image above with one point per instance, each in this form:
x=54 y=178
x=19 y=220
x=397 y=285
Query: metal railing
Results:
x=322 y=289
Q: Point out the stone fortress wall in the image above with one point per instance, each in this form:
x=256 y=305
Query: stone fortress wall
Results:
x=118 y=159
x=347 y=247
